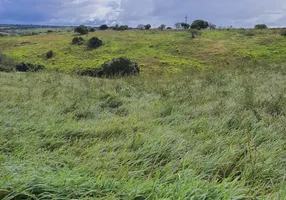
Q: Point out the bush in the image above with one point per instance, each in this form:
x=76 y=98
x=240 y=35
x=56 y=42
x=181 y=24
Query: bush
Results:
x=200 y=24
x=50 y=54
x=147 y=27
x=49 y=31
x=283 y=32
x=25 y=67
x=117 y=67
x=94 y=43
x=78 y=40
x=6 y=63
x=260 y=26
x=92 y=29
x=83 y=30
x=123 y=28
x=103 y=27
x=169 y=28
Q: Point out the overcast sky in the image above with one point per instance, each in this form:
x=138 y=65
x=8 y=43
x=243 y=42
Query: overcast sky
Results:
x=238 y=13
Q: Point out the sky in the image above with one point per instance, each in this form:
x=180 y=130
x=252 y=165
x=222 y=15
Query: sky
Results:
x=236 y=13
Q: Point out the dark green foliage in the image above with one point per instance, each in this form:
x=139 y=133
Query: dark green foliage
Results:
x=50 y=54
x=169 y=28
x=260 y=26
x=94 y=43
x=92 y=29
x=115 y=27
x=83 y=30
x=123 y=28
x=184 y=25
x=103 y=27
x=147 y=27
x=117 y=67
x=6 y=63
x=25 y=67
x=162 y=27
x=49 y=31
x=283 y=32
x=78 y=40
x=200 y=24
x=120 y=28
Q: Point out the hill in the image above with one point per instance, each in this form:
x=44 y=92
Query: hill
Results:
x=204 y=120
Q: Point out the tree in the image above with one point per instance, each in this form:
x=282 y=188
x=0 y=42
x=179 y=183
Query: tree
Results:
x=122 y=28
x=141 y=26
x=212 y=26
x=185 y=26
x=81 y=30
x=178 y=25
x=162 y=27
x=116 y=27
x=200 y=24
x=103 y=27
x=147 y=27
x=92 y=29
x=169 y=28
x=260 y=26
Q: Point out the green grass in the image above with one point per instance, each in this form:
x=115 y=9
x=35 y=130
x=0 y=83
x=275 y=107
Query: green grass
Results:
x=197 y=131
x=155 y=51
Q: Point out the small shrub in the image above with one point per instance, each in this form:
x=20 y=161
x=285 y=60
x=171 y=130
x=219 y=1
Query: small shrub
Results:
x=25 y=67
x=6 y=63
x=103 y=27
x=92 y=30
x=283 y=32
x=83 y=30
x=169 y=28
x=78 y=40
x=94 y=43
x=49 y=31
x=50 y=54
x=260 y=26
x=117 y=67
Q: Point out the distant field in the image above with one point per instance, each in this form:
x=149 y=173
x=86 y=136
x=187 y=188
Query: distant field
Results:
x=167 y=51
x=205 y=119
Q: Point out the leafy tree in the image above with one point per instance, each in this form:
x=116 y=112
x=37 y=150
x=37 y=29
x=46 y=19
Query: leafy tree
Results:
x=162 y=27
x=92 y=29
x=260 y=26
x=81 y=30
x=212 y=26
x=185 y=25
x=178 y=25
x=147 y=27
x=122 y=28
x=200 y=24
x=169 y=28
x=103 y=27
x=116 y=27
x=141 y=26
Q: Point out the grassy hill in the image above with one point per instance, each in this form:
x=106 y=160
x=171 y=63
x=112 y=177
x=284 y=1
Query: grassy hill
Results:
x=204 y=120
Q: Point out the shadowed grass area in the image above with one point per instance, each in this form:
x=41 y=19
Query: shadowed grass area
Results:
x=212 y=134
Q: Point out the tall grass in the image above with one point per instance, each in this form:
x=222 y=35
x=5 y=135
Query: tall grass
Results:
x=217 y=134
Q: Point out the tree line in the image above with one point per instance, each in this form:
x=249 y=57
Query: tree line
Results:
x=195 y=25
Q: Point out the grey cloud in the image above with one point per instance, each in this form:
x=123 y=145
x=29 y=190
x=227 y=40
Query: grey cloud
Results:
x=132 y=12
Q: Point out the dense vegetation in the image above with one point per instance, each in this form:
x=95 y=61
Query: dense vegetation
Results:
x=205 y=119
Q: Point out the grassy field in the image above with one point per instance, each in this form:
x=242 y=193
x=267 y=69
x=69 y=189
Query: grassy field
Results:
x=204 y=120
